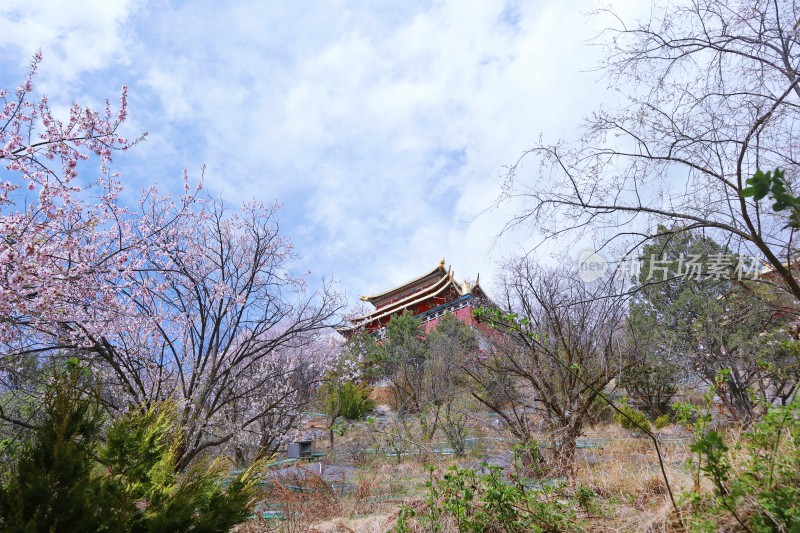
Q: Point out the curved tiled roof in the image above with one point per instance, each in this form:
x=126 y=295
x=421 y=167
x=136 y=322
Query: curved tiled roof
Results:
x=413 y=295
x=404 y=303
x=376 y=299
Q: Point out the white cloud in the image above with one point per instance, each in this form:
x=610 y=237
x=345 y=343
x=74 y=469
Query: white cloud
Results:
x=383 y=130
x=75 y=37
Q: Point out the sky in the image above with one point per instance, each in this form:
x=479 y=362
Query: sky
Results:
x=383 y=128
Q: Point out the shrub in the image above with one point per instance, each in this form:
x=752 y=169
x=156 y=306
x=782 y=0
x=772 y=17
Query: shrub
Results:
x=652 y=382
x=760 y=491
x=486 y=502
x=600 y=411
x=65 y=479
x=141 y=453
x=50 y=485
x=632 y=419
x=586 y=497
x=662 y=421
x=354 y=400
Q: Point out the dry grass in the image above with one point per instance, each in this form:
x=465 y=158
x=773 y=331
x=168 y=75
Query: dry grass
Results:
x=369 y=524
x=628 y=466
x=625 y=475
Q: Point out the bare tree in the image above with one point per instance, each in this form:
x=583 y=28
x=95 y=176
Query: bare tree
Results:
x=562 y=344
x=223 y=326
x=710 y=93
x=450 y=346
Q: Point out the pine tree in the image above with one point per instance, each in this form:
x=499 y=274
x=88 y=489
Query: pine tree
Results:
x=66 y=479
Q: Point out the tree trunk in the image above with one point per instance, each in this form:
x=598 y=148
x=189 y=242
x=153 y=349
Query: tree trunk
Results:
x=565 y=455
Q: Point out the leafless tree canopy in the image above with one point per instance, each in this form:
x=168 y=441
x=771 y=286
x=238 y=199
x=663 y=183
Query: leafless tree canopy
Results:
x=564 y=347
x=710 y=93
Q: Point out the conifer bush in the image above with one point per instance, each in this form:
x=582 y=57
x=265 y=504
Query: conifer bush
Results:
x=66 y=479
x=633 y=419
x=662 y=421
x=354 y=400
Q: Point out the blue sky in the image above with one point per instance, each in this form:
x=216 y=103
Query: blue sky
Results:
x=382 y=127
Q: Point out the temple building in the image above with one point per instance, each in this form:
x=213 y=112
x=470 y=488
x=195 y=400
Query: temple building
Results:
x=427 y=297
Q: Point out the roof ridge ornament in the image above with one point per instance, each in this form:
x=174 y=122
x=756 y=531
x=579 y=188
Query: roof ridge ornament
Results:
x=466 y=288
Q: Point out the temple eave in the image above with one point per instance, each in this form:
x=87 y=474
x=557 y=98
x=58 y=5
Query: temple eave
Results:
x=427 y=297
x=398 y=288
x=409 y=302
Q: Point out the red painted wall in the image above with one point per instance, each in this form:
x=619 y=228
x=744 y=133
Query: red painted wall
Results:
x=464 y=315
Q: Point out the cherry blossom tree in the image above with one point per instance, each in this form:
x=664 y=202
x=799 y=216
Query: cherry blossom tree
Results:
x=224 y=325
x=62 y=240
x=176 y=298
x=65 y=243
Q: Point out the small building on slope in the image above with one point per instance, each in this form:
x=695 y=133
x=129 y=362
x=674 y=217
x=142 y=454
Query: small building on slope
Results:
x=427 y=297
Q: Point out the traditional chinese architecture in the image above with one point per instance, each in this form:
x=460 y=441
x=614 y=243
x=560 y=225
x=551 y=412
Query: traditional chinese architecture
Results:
x=427 y=297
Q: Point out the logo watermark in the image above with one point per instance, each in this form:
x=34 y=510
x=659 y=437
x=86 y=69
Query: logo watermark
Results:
x=593 y=266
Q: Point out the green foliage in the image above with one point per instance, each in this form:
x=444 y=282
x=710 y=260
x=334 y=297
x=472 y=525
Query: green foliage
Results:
x=487 y=502
x=761 y=184
x=632 y=419
x=586 y=497
x=404 y=520
x=600 y=410
x=662 y=421
x=349 y=400
x=453 y=337
x=685 y=413
x=668 y=314
x=495 y=318
x=340 y=397
x=402 y=359
x=528 y=460
x=355 y=402
x=404 y=344
x=65 y=479
x=774 y=184
x=653 y=381
x=364 y=348
x=141 y=453
x=50 y=487
x=756 y=480
x=138 y=450
x=427 y=377
x=705 y=325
